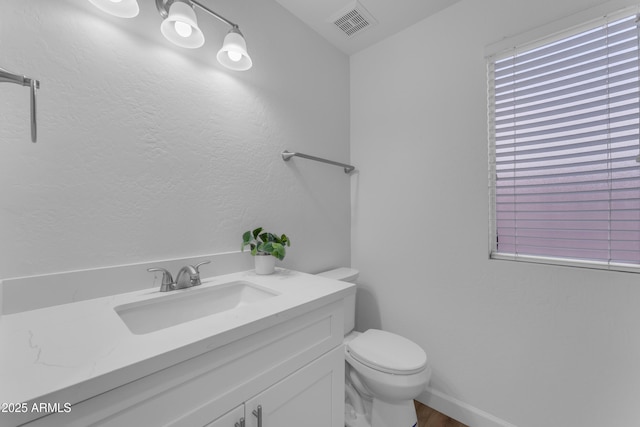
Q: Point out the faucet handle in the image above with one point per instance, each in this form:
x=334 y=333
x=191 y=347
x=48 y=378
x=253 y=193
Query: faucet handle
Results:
x=201 y=263
x=167 y=278
x=196 y=281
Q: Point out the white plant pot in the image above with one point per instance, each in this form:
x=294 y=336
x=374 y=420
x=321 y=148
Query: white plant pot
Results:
x=265 y=264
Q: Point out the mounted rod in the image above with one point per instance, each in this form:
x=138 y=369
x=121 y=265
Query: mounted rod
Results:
x=164 y=5
x=287 y=155
x=217 y=15
x=34 y=85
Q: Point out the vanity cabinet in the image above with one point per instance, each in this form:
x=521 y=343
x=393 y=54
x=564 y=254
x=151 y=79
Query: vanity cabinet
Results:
x=310 y=397
x=292 y=370
x=233 y=418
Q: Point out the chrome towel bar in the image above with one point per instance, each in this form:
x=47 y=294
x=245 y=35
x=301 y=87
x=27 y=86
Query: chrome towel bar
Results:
x=8 y=77
x=286 y=155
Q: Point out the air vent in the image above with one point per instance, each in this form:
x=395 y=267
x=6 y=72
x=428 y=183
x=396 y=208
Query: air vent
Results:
x=353 y=19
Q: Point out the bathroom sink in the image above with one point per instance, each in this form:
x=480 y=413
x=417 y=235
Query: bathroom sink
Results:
x=189 y=304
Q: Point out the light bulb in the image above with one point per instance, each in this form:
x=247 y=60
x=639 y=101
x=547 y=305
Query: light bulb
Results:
x=233 y=53
x=234 y=56
x=183 y=29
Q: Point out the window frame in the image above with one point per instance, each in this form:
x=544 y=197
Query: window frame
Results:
x=491 y=58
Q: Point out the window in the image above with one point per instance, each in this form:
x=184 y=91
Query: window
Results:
x=564 y=138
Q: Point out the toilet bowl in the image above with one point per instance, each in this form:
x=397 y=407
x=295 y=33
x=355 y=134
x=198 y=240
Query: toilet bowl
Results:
x=384 y=371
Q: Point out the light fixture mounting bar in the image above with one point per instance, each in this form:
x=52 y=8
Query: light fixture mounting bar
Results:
x=211 y=12
x=164 y=5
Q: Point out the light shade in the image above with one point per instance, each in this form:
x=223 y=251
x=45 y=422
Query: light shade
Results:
x=119 y=8
x=233 y=53
x=180 y=27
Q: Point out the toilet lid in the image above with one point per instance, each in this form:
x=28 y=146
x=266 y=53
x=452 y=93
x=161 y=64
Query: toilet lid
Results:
x=387 y=352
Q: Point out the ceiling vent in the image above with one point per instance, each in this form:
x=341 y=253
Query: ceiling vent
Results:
x=353 y=20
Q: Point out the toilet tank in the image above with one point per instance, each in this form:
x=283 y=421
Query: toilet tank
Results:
x=346 y=275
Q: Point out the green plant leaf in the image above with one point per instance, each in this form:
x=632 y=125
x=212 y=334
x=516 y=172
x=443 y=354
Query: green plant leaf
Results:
x=246 y=239
x=285 y=240
x=278 y=251
x=269 y=237
x=256 y=232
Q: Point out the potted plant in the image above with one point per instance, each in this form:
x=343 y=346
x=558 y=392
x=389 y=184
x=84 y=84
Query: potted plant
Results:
x=266 y=247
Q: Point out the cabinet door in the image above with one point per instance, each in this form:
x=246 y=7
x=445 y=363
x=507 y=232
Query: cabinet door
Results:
x=313 y=396
x=230 y=419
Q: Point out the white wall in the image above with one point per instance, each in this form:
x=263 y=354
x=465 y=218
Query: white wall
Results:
x=510 y=343
x=148 y=151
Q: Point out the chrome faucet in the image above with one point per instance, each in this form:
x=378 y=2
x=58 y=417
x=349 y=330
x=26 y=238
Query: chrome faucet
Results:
x=188 y=276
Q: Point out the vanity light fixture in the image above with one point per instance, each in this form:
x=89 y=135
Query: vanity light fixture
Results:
x=119 y=8
x=180 y=27
x=233 y=53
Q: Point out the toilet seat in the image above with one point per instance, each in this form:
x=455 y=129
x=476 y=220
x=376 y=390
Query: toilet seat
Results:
x=387 y=352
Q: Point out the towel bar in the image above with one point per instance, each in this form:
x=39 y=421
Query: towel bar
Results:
x=286 y=155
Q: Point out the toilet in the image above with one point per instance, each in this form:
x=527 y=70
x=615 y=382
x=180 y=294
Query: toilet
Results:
x=384 y=372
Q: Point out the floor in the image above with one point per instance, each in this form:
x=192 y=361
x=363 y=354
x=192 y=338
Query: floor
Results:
x=428 y=417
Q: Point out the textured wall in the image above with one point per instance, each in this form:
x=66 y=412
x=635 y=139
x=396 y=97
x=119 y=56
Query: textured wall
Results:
x=533 y=345
x=148 y=151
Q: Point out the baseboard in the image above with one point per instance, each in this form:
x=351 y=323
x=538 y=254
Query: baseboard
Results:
x=461 y=411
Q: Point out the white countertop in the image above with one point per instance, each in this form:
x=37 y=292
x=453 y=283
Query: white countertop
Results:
x=70 y=352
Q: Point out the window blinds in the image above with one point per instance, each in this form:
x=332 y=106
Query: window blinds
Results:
x=564 y=132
